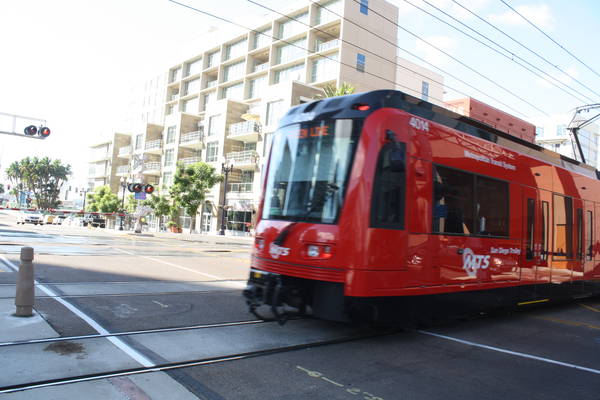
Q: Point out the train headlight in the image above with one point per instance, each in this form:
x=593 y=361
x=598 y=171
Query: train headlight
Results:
x=313 y=250
x=318 y=251
x=259 y=243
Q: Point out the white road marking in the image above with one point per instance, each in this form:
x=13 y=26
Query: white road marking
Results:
x=218 y=278
x=114 y=340
x=514 y=353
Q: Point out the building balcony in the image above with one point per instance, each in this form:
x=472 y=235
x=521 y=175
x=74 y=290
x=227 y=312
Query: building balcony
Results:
x=246 y=159
x=261 y=67
x=189 y=160
x=244 y=187
x=192 y=140
x=151 y=168
x=123 y=170
x=124 y=152
x=328 y=45
x=153 y=146
x=99 y=156
x=247 y=131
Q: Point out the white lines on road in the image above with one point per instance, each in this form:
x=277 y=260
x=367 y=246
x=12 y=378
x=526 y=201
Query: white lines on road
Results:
x=218 y=278
x=513 y=353
x=130 y=351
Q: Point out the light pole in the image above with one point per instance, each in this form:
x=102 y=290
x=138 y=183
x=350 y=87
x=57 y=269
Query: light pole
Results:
x=225 y=169
x=123 y=181
x=84 y=191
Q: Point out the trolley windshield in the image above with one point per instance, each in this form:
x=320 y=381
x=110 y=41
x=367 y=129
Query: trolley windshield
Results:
x=308 y=170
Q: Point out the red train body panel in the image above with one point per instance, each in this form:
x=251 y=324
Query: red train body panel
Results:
x=430 y=204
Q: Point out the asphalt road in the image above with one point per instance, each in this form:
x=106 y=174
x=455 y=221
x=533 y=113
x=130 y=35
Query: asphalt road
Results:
x=130 y=284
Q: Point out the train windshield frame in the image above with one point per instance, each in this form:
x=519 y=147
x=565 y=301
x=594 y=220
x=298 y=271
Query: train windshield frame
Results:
x=309 y=168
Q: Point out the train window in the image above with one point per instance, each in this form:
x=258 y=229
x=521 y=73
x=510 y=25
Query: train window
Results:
x=563 y=228
x=491 y=207
x=545 y=225
x=469 y=204
x=589 y=235
x=387 y=210
x=530 y=229
x=453 y=201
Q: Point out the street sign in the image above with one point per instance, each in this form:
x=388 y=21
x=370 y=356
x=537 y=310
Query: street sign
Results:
x=140 y=196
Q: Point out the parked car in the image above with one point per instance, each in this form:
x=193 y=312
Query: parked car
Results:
x=30 y=217
x=48 y=219
x=59 y=219
x=94 y=220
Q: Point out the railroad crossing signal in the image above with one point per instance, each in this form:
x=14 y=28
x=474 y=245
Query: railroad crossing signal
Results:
x=34 y=128
x=139 y=188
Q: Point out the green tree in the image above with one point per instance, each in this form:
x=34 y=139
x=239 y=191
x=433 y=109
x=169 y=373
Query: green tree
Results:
x=331 y=90
x=43 y=177
x=103 y=200
x=190 y=185
x=1 y=188
x=161 y=206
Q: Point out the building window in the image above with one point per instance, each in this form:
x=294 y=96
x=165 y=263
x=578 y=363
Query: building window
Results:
x=293 y=26
x=212 y=59
x=561 y=130
x=236 y=49
x=361 y=60
x=139 y=141
x=234 y=71
x=256 y=87
x=295 y=72
x=192 y=86
x=469 y=204
x=274 y=111
x=167 y=179
x=169 y=157
x=191 y=105
x=213 y=124
x=325 y=68
x=209 y=99
x=425 y=91
x=291 y=51
x=234 y=92
x=539 y=131
x=364 y=7
x=171 y=134
x=212 y=151
x=262 y=38
x=194 y=67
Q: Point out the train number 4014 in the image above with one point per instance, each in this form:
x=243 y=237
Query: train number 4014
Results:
x=419 y=124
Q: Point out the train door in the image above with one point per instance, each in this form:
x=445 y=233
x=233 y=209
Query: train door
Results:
x=531 y=245
x=588 y=240
x=542 y=270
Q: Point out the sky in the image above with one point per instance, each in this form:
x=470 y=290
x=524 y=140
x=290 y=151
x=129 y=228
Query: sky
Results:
x=73 y=62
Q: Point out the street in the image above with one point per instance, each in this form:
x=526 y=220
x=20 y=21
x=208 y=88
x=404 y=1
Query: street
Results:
x=122 y=316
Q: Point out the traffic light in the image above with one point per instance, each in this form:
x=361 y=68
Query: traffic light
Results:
x=44 y=131
x=31 y=130
x=149 y=189
x=135 y=187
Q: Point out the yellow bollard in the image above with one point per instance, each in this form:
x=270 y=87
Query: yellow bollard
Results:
x=25 y=295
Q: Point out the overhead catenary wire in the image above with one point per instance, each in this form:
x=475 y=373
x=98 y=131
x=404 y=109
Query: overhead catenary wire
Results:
x=457 y=60
x=380 y=56
x=554 y=41
x=525 y=47
x=548 y=78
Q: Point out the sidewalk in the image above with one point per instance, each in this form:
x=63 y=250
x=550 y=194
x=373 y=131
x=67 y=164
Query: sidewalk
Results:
x=190 y=237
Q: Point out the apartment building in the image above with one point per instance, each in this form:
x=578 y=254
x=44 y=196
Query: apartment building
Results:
x=223 y=105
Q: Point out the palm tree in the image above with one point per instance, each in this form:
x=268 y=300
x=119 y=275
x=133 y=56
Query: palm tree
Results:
x=330 y=90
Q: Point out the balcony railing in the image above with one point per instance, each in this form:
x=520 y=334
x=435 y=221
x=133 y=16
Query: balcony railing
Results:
x=125 y=150
x=210 y=84
x=261 y=67
x=240 y=187
x=191 y=137
x=152 y=166
x=242 y=157
x=123 y=169
x=190 y=160
x=243 y=128
x=153 y=145
x=328 y=45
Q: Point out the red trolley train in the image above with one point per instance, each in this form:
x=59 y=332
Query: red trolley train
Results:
x=379 y=203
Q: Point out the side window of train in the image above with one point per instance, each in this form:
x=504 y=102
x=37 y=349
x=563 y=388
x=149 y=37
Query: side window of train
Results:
x=563 y=228
x=389 y=188
x=469 y=204
x=589 y=235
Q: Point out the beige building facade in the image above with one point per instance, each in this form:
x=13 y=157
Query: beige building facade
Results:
x=223 y=105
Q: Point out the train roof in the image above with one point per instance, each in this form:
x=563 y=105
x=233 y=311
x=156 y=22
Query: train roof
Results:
x=345 y=107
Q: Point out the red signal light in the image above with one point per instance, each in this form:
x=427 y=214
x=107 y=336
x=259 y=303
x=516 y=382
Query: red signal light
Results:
x=31 y=130
x=44 y=132
x=137 y=187
x=361 y=107
x=149 y=189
